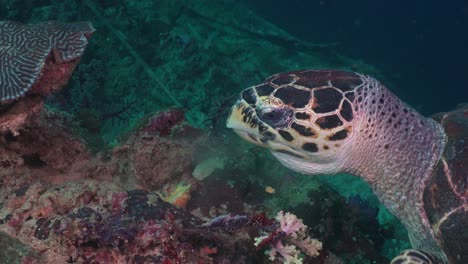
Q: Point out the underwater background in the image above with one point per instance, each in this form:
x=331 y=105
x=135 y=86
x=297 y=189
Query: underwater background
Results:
x=419 y=45
x=181 y=65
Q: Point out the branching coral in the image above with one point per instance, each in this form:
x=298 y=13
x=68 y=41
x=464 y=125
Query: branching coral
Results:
x=287 y=236
x=289 y=240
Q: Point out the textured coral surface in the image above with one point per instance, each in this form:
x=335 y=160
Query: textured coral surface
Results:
x=62 y=213
x=40 y=57
x=73 y=206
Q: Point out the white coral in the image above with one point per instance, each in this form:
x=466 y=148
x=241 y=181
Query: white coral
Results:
x=290 y=224
x=296 y=240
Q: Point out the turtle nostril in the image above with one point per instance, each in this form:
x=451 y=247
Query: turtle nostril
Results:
x=275 y=117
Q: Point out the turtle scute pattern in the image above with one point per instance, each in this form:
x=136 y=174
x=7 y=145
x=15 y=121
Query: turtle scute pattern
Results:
x=24 y=50
x=446 y=193
x=319 y=103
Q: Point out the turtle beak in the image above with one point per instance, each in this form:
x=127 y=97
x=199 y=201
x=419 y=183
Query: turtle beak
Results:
x=243 y=120
x=235 y=118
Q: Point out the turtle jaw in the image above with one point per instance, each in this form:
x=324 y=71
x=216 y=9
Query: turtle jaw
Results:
x=308 y=165
x=243 y=120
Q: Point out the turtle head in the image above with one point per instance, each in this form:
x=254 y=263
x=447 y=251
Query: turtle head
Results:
x=328 y=121
x=305 y=118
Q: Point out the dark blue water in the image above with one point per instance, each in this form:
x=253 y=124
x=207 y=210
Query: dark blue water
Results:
x=420 y=46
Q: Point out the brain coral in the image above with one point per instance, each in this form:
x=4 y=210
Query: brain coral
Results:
x=41 y=55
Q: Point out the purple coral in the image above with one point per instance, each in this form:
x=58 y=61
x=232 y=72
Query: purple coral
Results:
x=164 y=122
x=287 y=236
x=227 y=222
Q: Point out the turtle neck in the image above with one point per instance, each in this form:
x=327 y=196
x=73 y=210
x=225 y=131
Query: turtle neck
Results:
x=395 y=150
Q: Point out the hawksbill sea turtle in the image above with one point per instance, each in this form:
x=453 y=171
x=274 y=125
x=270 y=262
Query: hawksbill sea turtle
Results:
x=333 y=121
x=39 y=58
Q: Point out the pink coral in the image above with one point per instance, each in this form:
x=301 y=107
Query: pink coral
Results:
x=289 y=239
x=290 y=224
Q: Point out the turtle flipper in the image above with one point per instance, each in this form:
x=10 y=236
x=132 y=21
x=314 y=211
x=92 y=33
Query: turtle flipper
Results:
x=414 y=256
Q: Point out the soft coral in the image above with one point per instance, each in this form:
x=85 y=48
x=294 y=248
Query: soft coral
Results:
x=164 y=122
x=287 y=238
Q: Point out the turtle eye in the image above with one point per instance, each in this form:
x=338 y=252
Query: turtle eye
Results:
x=275 y=117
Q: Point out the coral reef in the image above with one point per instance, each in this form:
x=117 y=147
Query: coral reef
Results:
x=85 y=220
x=15 y=116
x=131 y=161
x=90 y=222
x=70 y=205
x=164 y=122
x=73 y=217
x=292 y=230
x=157 y=160
x=36 y=60
x=348 y=228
